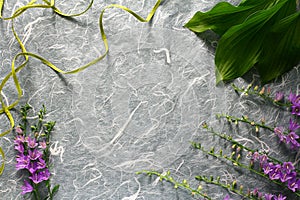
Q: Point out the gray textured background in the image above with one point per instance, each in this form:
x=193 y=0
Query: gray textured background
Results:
x=137 y=109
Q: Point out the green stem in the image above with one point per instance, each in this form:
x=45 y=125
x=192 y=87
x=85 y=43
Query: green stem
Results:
x=237 y=163
x=36 y=192
x=267 y=97
x=245 y=120
x=230 y=139
x=230 y=187
x=175 y=183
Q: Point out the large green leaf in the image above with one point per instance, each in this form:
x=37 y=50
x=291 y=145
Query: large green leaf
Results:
x=224 y=15
x=240 y=47
x=281 y=52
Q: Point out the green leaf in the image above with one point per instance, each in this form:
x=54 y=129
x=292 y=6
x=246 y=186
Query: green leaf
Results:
x=240 y=47
x=54 y=190
x=282 y=51
x=224 y=15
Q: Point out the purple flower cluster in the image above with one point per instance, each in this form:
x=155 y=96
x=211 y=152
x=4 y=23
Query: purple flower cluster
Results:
x=261 y=196
x=30 y=157
x=291 y=137
x=267 y=196
x=295 y=101
x=284 y=173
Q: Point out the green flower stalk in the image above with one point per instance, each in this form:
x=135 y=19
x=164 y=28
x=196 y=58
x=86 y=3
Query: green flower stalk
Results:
x=184 y=184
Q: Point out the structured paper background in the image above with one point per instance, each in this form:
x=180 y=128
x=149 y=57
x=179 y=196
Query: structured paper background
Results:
x=137 y=109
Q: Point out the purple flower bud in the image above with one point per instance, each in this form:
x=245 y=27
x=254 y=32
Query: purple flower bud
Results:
x=296 y=109
x=43 y=145
x=263 y=159
x=26 y=187
x=279 y=96
x=255 y=156
x=279 y=132
x=19 y=130
x=255 y=191
x=288 y=167
x=293 y=125
x=269 y=196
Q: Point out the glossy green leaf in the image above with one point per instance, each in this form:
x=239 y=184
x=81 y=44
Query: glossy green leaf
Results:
x=54 y=190
x=224 y=15
x=240 y=47
x=281 y=52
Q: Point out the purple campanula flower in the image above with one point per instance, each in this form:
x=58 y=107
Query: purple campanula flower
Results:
x=293 y=184
x=268 y=168
x=279 y=197
x=291 y=137
x=44 y=175
x=288 y=167
x=294 y=145
x=269 y=196
x=294 y=99
x=279 y=96
x=276 y=173
x=263 y=159
x=296 y=109
x=19 y=147
x=293 y=125
x=41 y=164
x=34 y=154
x=36 y=178
x=43 y=144
x=279 y=132
x=22 y=162
x=31 y=142
x=19 y=139
x=32 y=167
x=27 y=187
x=287 y=176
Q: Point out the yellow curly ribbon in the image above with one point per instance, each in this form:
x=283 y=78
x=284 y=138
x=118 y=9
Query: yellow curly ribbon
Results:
x=3 y=161
x=48 y=4
x=6 y=108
